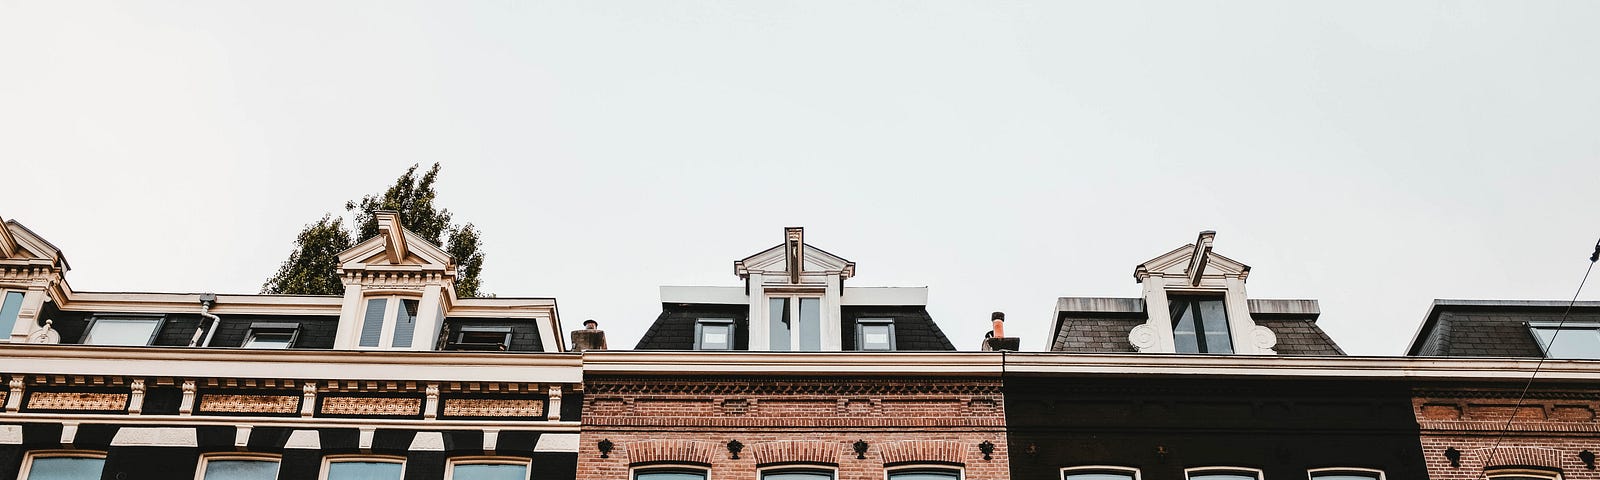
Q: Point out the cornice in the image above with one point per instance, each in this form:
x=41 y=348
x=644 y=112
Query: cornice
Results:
x=321 y=422
x=184 y=302
x=306 y=364
x=1277 y=366
x=790 y=363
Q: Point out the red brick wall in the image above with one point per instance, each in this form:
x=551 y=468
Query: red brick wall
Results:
x=1549 y=430
x=690 y=420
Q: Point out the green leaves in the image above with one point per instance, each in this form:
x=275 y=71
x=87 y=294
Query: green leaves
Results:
x=312 y=268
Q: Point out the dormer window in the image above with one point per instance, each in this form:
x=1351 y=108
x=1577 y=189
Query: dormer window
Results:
x=875 y=334
x=1200 y=324
x=795 y=324
x=484 y=339
x=713 y=334
x=10 y=309
x=122 y=330
x=1570 y=340
x=392 y=314
x=271 y=335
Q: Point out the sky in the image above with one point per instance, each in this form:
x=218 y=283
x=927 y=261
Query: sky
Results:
x=1372 y=155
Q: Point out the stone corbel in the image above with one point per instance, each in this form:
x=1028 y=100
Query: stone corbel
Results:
x=186 y=407
x=1143 y=337
x=136 y=397
x=14 y=399
x=308 y=402
x=430 y=410
x=1263 y=339
x=554 y=412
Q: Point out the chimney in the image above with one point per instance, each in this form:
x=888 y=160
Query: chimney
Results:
x=996 y=340
x=590 y=338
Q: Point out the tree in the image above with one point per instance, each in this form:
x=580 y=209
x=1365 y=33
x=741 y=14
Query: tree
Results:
x=413 y=198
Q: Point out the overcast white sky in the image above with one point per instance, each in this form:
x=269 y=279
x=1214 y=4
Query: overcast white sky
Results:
x=1371 y=155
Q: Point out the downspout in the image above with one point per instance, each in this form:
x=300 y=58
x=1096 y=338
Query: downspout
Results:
x=208 y=325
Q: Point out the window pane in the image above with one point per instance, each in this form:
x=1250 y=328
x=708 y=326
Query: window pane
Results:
x=372 y=324
x=489 y=472
x=778 y=338
x=1099 y=476
x=924 y=475
x=241 y=470
x=66 y=468
x=875 y=337
x=797 y=475
x=405 y=323
x=121 y=331
x=9 y=308
x=363 y=471
x=268 y=340
x=1215 y=324
x=1571 y=343
x=669 y=475
x=1183 y=328
x=1222 y=476
x=1344 y=476
x=715 y=336
x=810 y=324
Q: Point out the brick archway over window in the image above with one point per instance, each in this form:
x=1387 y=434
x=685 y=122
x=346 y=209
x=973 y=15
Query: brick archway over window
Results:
x=796 y=451
x=923 y=451
x=671 y=451
x=1520 y=457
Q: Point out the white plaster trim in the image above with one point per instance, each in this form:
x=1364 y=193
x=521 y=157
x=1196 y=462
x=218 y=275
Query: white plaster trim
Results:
x=365 y=439
x=208 y=363
x=713 y=295
x=288 y=422
x=304 y=439
x=557 y=442
x=10 y=434
x=427 y=442
x=491 y=439
x=884 y=296
x=69 y=433
x=155 y=437
x=241 y=436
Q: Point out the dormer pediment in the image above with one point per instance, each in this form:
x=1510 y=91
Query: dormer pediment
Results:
x=779 y=260
x=20 y=245
x=1193 y=264
x=396 y=248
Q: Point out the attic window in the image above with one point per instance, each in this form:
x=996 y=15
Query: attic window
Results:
x=1200 y=324
x=875 y=334
x=10 y=308
x=713 y=334
x=1580 y=340
x=389 y=310
x=270 y=336
x=788 y=334
x=122 y=330
x=486 y=339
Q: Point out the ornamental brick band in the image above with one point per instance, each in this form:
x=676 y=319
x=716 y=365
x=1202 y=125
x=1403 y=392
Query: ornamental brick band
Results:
x=1520 y=457
x=281 y=404
x=672 y=451
x=922 y=451
x=377 y=406
x=77 y=401
x=798 y=451
x=492 y=407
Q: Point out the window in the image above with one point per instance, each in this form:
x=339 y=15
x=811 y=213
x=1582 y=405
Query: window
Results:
x=925 y=474
x=1346 y=474
x=1521 y=474
x=669 y=474
x=122 y=330
x=233 y=467
x=10 y=308
x=1213 y=473
x=62 y=465
x=875 y=334
x=404 y=313
x=796 y=474
x=488 y=339
x=713 y=334
x=785 y=334
x=488 y=469
x=1200 y=325
x=1581 y=340
x=363 y=468
x=1099 y=473
x=269 y=335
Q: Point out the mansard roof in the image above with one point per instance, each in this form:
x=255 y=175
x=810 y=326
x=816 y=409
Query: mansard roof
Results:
x=1101 y=325
x=1492 y=328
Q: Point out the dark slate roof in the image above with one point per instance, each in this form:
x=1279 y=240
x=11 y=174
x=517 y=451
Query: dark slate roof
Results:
x=914 y=329
x=674 y=328
x=1491 y=328
x=316 y=332
x=1101 y=325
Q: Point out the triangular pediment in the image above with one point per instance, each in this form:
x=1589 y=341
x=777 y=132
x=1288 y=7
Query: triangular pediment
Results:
x=1179 y=262
x=773 y=260
x=375 y=251
x=17 y=242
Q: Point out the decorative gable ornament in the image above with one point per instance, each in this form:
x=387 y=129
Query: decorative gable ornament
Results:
x=396 y=257
x=1194 y=269
x=794 y=261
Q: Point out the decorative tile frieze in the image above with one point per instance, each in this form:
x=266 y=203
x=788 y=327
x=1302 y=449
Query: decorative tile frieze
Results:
x=493 y=407
x=77 y=401
x=371 y=406
x=257 y=404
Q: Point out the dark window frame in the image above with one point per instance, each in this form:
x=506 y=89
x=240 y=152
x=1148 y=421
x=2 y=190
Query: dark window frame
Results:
x=1190 y=300
x=704 y=473
x=272 y=327
x=699 y=332
x=832 y=473
x=1130 y=472
x=1544 y=348
x=861 y=338
x=461 y=336
x=159 y=318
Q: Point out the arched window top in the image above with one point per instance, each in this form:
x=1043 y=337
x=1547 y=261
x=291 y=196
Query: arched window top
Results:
x=797 y=473
x=670 y=473
x=1521 y=474
x=924 y=473
x=1345 y=474
x=1222 y=473
x=62 y=465
x=488 y=468
x=1099 y=472
x=225 y=466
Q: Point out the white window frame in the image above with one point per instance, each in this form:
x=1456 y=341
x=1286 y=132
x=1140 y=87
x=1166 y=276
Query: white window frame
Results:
x=833 y=470
x=961 y=472
x=205 y=459
x=391 y=313
x=5 y=334
x=1190 y=472
x=329 y=460
x=450 y=464
x=27 y=459
x=159 y=319
x=1312 y=473
x=633 y=472
x=1493 y=473
x=1098 y=469
x=794 y=296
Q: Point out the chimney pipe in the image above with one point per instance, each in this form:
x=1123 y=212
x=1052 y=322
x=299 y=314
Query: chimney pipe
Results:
x=996 y=339
x=590 y=338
